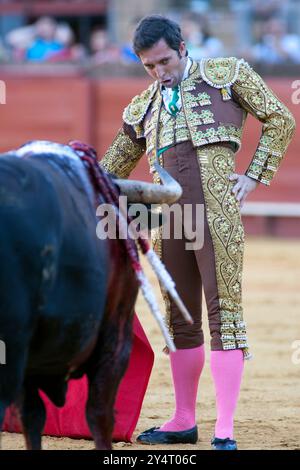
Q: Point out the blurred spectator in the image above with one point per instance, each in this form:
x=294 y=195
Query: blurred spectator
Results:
x=276 y=45
x=198 y=38
x=45 y=40
x=102 y=50
x=251 y=15
x=70 y=51
x=127 y=53
x=261 y=11
x=45 y=44
x=19 y=40
x=264 y=10
x=200 y=6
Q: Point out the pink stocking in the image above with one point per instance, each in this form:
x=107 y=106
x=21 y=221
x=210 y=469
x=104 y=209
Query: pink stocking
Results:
x=186 y=365
x=227 y=369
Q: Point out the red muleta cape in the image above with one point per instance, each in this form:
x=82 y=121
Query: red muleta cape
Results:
x=70 y=421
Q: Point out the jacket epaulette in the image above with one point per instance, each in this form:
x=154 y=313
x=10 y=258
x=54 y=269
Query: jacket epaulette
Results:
x=220 y=72
x=135 y=112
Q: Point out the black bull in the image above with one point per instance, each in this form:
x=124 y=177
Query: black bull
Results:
x=66 y=297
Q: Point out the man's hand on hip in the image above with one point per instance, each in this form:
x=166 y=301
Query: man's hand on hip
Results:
x=244 y=186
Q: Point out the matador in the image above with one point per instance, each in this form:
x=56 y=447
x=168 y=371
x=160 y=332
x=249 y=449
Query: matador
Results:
x=192 y=118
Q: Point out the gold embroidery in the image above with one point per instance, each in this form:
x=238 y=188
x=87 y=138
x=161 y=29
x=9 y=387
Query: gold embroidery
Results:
x=211 y=135
x=172 y=129
x=223 y=133
x=193 y=101
x=122 y=156
x=278 y=123
x=151 y=125
x=224 y=220
x=207 y=116
x=220 y=72
x=204 y=99
x=135 y=112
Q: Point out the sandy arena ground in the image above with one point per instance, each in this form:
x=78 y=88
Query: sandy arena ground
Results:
x=268 y=414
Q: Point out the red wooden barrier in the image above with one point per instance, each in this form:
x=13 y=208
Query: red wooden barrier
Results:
x=50 y=108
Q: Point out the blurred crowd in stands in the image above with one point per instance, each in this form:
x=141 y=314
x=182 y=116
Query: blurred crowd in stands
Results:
x=266 y=32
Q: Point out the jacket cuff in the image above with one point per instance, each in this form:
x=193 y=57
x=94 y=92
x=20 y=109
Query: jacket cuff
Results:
x=264 y=165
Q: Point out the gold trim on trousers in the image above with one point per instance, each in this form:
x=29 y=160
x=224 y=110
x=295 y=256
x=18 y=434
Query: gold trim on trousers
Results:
x=217 y=266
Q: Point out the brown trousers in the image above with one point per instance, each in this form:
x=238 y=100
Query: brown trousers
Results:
x=191 y=270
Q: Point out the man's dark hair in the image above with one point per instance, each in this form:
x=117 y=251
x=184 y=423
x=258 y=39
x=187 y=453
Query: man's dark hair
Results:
x=152 y=29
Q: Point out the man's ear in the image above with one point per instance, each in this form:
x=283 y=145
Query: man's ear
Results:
x=182 y=50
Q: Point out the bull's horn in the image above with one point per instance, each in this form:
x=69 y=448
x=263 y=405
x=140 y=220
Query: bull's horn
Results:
x=148 y=193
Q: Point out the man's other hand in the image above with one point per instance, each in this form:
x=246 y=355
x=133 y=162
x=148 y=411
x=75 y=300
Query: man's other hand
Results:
x=244 y=186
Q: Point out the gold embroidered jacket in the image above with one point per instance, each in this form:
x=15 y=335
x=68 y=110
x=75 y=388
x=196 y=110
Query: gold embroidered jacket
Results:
x=216 y=98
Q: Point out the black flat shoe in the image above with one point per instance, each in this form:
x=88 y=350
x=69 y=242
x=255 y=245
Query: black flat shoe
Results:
x=154 y=436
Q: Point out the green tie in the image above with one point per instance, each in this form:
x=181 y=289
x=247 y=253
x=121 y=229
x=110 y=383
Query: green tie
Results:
x=172 y=105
